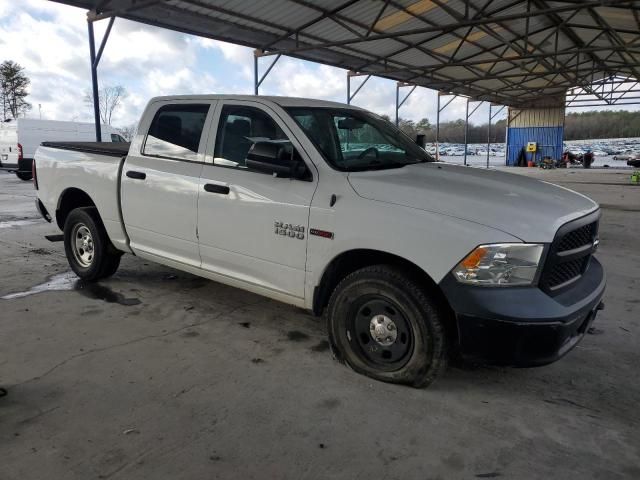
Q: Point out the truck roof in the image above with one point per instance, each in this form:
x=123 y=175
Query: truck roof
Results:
x=281 y=101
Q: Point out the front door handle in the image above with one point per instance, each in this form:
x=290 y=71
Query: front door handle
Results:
x=213 y=188
x=136 y=175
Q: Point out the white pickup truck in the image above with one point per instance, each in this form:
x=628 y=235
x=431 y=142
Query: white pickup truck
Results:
x=331 y=208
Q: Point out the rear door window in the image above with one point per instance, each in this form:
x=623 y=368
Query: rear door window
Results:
x=175 y=131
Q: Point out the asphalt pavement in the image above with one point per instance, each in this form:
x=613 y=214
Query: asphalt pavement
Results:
x=155 y=373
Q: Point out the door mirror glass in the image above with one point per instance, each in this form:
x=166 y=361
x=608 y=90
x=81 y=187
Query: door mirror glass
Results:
x=278 y=158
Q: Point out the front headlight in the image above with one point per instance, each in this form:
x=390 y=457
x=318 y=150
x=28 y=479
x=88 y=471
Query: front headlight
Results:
x=501 y=264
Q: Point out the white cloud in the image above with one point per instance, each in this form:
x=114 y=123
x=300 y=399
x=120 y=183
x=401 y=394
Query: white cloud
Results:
x=296 y=78
x=237 y=54
x=50 y=41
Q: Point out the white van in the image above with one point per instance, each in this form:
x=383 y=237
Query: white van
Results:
x=20 y=138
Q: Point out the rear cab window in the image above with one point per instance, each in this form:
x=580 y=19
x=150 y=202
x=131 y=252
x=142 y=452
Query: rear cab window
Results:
x=176 y=131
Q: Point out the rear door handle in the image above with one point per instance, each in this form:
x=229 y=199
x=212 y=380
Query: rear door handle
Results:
x=213 y=188
x=136 y=175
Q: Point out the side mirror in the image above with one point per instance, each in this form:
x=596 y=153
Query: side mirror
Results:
x=276 y=157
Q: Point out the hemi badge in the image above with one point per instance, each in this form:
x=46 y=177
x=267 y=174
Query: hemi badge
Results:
x=321 y=233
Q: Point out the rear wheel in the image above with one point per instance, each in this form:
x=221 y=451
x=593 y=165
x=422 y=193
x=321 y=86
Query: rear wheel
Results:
x=384 y=325
x=87 y=246
x=26 y=176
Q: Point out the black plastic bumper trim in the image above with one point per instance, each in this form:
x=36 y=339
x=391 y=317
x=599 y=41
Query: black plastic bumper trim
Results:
x=524 y=326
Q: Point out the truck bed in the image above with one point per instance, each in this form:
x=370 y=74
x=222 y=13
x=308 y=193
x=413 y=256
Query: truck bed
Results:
x=112 y=149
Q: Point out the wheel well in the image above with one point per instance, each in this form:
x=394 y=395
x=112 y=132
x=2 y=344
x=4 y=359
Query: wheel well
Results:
x=353 y=260
x=70 y=199
x=349 y=262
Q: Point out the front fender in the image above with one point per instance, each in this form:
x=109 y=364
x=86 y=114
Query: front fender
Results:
x=433 y=242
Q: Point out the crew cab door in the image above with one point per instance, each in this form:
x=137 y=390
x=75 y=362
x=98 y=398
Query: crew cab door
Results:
x=160 y=181
x=252 y=226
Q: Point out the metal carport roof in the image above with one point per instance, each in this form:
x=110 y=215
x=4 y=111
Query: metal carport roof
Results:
x=511 y=52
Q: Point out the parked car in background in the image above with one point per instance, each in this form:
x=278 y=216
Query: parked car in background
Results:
x=456 y=152
x=626 y=156
x=634 y=162
x=20 y=138
x=330 y=208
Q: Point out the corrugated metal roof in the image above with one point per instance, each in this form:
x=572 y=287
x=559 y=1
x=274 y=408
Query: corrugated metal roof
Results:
x=518 y=53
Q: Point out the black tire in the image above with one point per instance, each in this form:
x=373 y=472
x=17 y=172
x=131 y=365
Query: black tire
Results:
x=99 y=261
x=383 y=293
x=26 y=176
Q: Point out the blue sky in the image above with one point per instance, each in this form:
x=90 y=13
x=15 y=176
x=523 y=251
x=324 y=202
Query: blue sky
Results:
x=50 y=41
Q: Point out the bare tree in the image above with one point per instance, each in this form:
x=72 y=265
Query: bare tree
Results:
x=110 y=97
x=128 y=131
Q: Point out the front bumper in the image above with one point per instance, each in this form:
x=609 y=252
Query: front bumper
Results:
x=524 y=326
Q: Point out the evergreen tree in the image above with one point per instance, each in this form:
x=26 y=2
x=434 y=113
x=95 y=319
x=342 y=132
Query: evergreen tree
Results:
x=13 y=89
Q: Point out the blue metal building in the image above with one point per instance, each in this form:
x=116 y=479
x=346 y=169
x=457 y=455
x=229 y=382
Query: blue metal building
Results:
x=545 y=126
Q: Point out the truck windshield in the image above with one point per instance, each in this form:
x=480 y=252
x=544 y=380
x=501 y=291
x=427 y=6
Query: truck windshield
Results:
x=355 y=140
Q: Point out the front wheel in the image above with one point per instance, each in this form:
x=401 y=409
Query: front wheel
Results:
x=88 y=248
x=384 y=325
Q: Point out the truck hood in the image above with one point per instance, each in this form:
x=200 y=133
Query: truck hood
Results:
x=526 y=208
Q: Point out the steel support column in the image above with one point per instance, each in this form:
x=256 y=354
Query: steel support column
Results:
x=438 y=129
x=95 y=61
x=440 y=109
x=399 y=102
x=489 y=134
x=349 y=95
x=491 y=117
x=506 y=139
x=94 y=82
x=466 y=125
x=466 y=132
x=258 y=81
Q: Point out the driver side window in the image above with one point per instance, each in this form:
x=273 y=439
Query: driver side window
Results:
x=239 y=128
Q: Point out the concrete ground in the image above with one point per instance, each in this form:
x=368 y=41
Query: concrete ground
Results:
x=158 y=374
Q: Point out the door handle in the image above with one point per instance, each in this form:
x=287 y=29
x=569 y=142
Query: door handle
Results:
x=213 y=188
x=136 y=175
